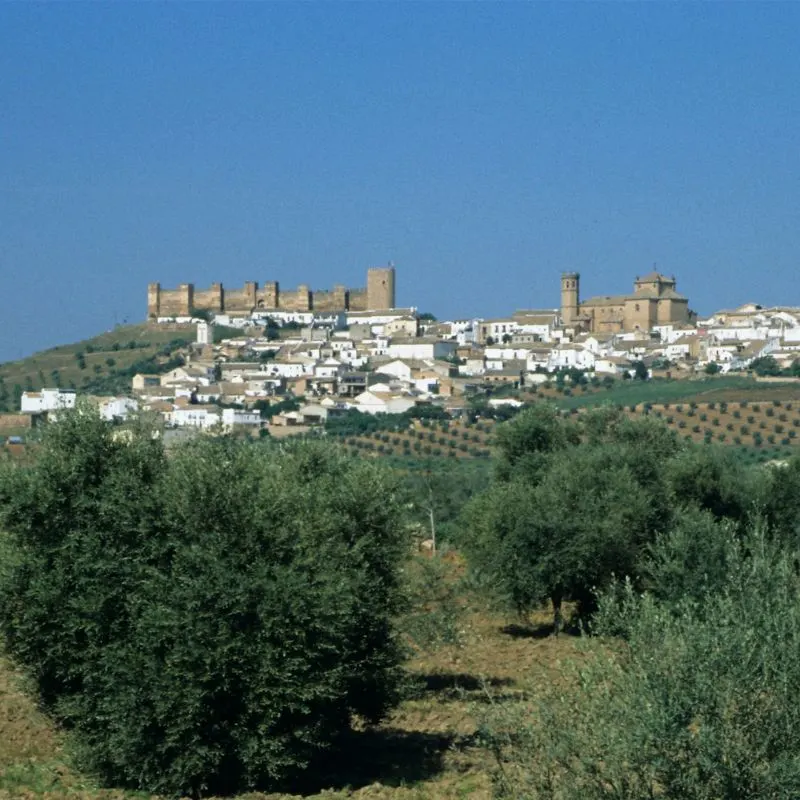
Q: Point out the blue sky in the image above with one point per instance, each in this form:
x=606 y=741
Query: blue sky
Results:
x=481 y=147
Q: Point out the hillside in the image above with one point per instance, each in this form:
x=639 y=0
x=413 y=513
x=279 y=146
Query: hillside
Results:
x=103 y=364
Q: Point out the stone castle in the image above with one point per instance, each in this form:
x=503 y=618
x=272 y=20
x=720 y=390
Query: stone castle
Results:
x=654 y=301
x=378 y=295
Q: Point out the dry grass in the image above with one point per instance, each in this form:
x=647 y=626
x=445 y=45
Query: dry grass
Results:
x=427 y=749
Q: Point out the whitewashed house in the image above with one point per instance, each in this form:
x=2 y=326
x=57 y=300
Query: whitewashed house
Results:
x=117 y=408
x=239 y=418
x=374 y=401
x=196 y=416
x=420 y=349
x=567 y=356
x=47 y=400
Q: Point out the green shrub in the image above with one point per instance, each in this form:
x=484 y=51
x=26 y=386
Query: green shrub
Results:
x=207 y=623
x=701 y=704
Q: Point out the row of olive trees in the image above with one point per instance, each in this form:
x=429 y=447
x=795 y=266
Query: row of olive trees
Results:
x=576 y=501
x=206 y=622
x=691 y=562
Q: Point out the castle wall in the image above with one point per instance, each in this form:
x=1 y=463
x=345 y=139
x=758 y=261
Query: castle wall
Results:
x=378 y=296
x=298 y=300
x=358 y=300
x=209 y=299
x=334 y=300
x=268 y=296
x=241 y=300
x=176 y=302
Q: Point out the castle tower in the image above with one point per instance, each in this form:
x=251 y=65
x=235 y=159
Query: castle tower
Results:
x=380 y=288
x=570 y=297
x=153 y=300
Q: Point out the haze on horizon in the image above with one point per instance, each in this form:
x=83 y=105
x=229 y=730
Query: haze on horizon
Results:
x=482 y=148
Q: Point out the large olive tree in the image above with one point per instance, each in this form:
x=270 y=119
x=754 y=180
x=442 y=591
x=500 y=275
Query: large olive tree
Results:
x=207 y=621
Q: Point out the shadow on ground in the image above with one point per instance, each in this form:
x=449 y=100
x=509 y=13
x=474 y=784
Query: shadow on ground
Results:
x=542 y=630
x=448 y=686
x=387 y=756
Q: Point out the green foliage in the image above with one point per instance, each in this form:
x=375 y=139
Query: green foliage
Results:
x=700 y=704
x=712 y=479
x=434 y=612
x=205 y=623
x=766 y=365
x=524 y=443
x=558 y=526
x=221 y=332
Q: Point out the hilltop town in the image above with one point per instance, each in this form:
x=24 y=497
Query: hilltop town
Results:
x=261 y=357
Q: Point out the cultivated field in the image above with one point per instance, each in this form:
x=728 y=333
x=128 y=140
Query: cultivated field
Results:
x=761 y=419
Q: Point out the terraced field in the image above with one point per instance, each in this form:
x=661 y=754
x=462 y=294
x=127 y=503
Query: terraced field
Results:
x=445 y=438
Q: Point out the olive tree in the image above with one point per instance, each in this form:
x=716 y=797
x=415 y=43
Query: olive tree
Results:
x=206 y=622
x=699 y=702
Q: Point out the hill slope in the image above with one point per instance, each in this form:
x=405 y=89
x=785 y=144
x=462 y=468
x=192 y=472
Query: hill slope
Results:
x=103 y=364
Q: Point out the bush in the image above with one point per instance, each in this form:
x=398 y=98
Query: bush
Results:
x=207 y=623
x=701 y=705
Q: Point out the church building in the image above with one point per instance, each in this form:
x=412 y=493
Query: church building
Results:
x=654 y=301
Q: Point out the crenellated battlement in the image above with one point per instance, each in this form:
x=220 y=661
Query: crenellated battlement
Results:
x=378 y=295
